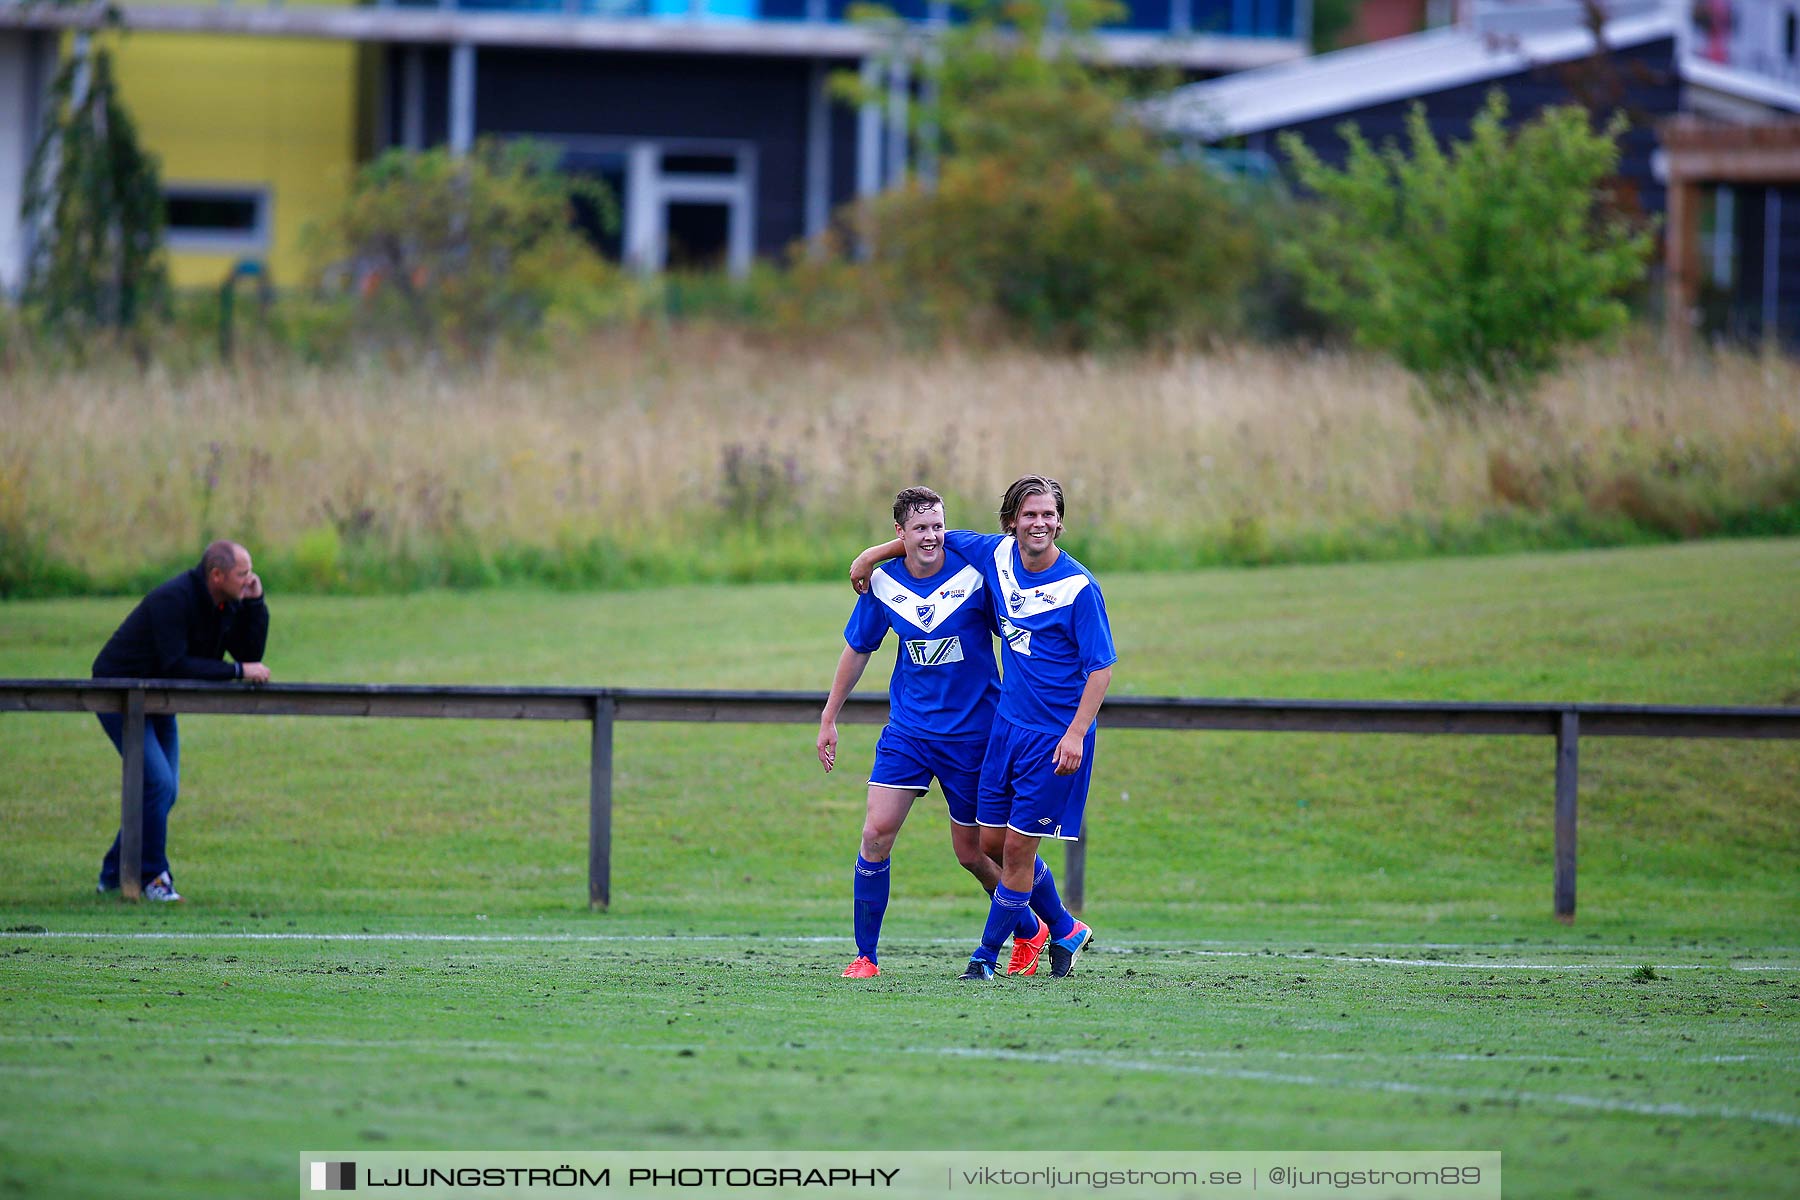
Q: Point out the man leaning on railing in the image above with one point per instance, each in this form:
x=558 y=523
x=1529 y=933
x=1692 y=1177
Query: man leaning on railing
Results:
x=181 y=630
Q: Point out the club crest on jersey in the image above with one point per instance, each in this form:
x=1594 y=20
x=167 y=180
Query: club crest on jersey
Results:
x=925 y=612
x=1015 y=601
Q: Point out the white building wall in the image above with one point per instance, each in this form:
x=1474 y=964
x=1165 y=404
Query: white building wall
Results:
x=24 y=63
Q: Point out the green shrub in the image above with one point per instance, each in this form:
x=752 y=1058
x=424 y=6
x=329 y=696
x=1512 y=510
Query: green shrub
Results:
x=1056 y=216
x=1475 y=268
x=316 y=558
x=456 y=253
x=1272 y=303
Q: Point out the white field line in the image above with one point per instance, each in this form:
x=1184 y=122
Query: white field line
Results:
x=1568 y=1099
x=1243 y=947
x=537 y=1051
x=1582 y=948
x=249 y=935
x=1495 y=966
x=1099 y=1061
x=1639 y=955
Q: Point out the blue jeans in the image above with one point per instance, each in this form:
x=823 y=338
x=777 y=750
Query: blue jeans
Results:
x=162 y=777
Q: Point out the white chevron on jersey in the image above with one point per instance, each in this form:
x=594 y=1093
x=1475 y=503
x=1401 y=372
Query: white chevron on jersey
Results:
x=928 y=608
x=1029 y=601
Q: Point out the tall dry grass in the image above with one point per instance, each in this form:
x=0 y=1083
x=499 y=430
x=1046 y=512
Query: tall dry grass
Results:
x=700 y=454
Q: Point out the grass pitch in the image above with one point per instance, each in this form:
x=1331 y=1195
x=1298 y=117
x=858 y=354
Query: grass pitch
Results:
x=1307 y=942
x=1594 y=1076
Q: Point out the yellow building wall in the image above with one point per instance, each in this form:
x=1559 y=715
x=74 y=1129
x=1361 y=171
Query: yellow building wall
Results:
x=265 y=112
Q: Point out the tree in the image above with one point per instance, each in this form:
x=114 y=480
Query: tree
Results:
x=1477 y=267
x=459 y=251
x=95 y=197
x=1056 y=214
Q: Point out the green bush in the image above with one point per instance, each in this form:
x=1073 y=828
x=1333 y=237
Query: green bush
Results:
x=1476 y=267
x=457 y=253
x=317 y=558
x=1272 y=304
x=1056 y=215
x=296 y=325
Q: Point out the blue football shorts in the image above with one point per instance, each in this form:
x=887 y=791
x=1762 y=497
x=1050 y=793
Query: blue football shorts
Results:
x=1021 y=790
x=910 y=763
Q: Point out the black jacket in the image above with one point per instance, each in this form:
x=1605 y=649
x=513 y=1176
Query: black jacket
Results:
x=177 y=632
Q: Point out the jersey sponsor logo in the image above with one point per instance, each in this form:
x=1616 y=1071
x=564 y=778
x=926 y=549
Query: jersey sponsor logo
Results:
x=935 y=652
x=1018 y=639
x=925 y=611
x=953 y=593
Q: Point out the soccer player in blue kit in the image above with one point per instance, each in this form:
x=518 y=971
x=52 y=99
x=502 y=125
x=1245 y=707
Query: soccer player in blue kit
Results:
x=941 y=702
x=1058 y=654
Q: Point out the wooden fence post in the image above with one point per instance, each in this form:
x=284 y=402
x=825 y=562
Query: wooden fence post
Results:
x=131 y=798
x=1074 y=882
x=600 y=768
x=1568 y=736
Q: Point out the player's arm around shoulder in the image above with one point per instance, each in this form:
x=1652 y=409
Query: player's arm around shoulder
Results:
x=862 y=568
x=972 y=545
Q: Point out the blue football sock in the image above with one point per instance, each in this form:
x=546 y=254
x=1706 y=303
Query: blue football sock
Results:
x=870 y=892
x=1048 y=905
x=1010 y=913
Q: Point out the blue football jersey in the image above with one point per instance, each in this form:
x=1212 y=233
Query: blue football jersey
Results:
x=1054 y=631
x=945 y=681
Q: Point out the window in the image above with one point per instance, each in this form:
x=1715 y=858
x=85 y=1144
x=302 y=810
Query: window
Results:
x=684 y=203
x=699 y=164
x=697 y=236
x=227 y=219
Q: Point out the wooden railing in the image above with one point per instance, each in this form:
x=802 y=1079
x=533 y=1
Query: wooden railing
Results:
x=602 y=707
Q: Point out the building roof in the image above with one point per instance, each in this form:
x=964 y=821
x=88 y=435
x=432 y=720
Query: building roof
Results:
x=1399 y=69
x=380 y=23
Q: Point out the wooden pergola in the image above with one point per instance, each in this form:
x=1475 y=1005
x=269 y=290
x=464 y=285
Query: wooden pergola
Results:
x=1700 y=153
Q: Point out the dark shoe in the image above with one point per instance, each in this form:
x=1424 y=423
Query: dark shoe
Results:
x=1064 y=951
x=978 y=968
